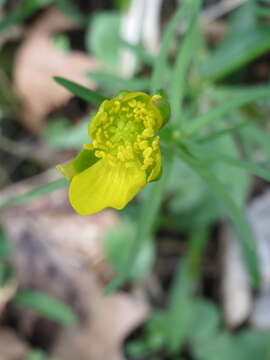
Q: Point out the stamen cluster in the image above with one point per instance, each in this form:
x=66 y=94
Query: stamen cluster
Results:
x=124 y=130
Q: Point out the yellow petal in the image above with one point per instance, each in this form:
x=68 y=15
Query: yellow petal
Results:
x=105 y=185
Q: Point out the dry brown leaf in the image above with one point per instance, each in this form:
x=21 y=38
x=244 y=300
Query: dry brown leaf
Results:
x=60 y=252
x=6 y=294
x=112 y=318
x=37 y=61
x=11 y=347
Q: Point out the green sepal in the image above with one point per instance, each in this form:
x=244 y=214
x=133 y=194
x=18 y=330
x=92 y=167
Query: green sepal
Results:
x=158 y=176
x=82 y=161
x=161 y=102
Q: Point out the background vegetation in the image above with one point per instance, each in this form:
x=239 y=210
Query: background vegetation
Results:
x=179 y=239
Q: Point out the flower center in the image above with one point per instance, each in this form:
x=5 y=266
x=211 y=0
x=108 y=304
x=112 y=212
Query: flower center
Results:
x=123 y=130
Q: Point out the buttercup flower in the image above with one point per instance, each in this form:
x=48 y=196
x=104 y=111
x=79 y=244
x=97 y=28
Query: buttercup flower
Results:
x=124 y=155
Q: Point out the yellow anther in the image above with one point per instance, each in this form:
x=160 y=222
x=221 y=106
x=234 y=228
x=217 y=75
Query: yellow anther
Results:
x=137 y=110
x=103 y=117
x=129 y=152
x=143 y=144
x=147 y=152
x=129 y=164
x=95 y=144
x=155 y=142
x=120 y=156
x=110 y=157
x=156 y=97
x=99 y=154
x=116 y=105
x=112 y=129
x=132 y=103
x=147 y=133
x=146 y=163
x=88 y=146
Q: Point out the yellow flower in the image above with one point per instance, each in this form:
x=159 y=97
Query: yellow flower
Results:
x=124 y=155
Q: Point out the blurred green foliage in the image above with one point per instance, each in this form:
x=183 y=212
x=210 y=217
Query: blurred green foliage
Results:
x=246 y=39
x=217 y=139
x=122 y=237
x=102 y=39
x=45 y=305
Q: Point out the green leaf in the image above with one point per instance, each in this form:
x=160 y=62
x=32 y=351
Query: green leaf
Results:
x=40 y=191
x=82 y=92
x=253 y=344
x=207 y=155
x=25 y=10
x=116 y=84
x=262 y=11
x=102 y=39
x=179 y=73
x=221 y=347
x=137 y=349
x=69 y=8
x=118 y=241
x=246 y=40
x=139 y=51
x=46 y=306
x=205 y=323
x=5 y=249
x=35 y=354
x=247 y=242
x=215 y=135
x=154 y=337
x=189 y=197
x=160 y=66
x=2 y=3
x=59 y=135
x=181 y=303
x=248 y=344
x=238 y=98
x=259 y=137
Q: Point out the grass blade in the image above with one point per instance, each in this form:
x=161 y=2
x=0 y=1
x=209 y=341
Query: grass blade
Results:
x=116 y=83
x=42 y=190
x=139 y=51
x=237 y=101
x=246 y=39
x=45 y=305
x=36 y=354
x=260 y=137
x=69 y=8
x=160 y=64
x=26 y=9
x=184 y=284
x=220 y=133
x=82 y=92
x=183 y=60
x=207 y=155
